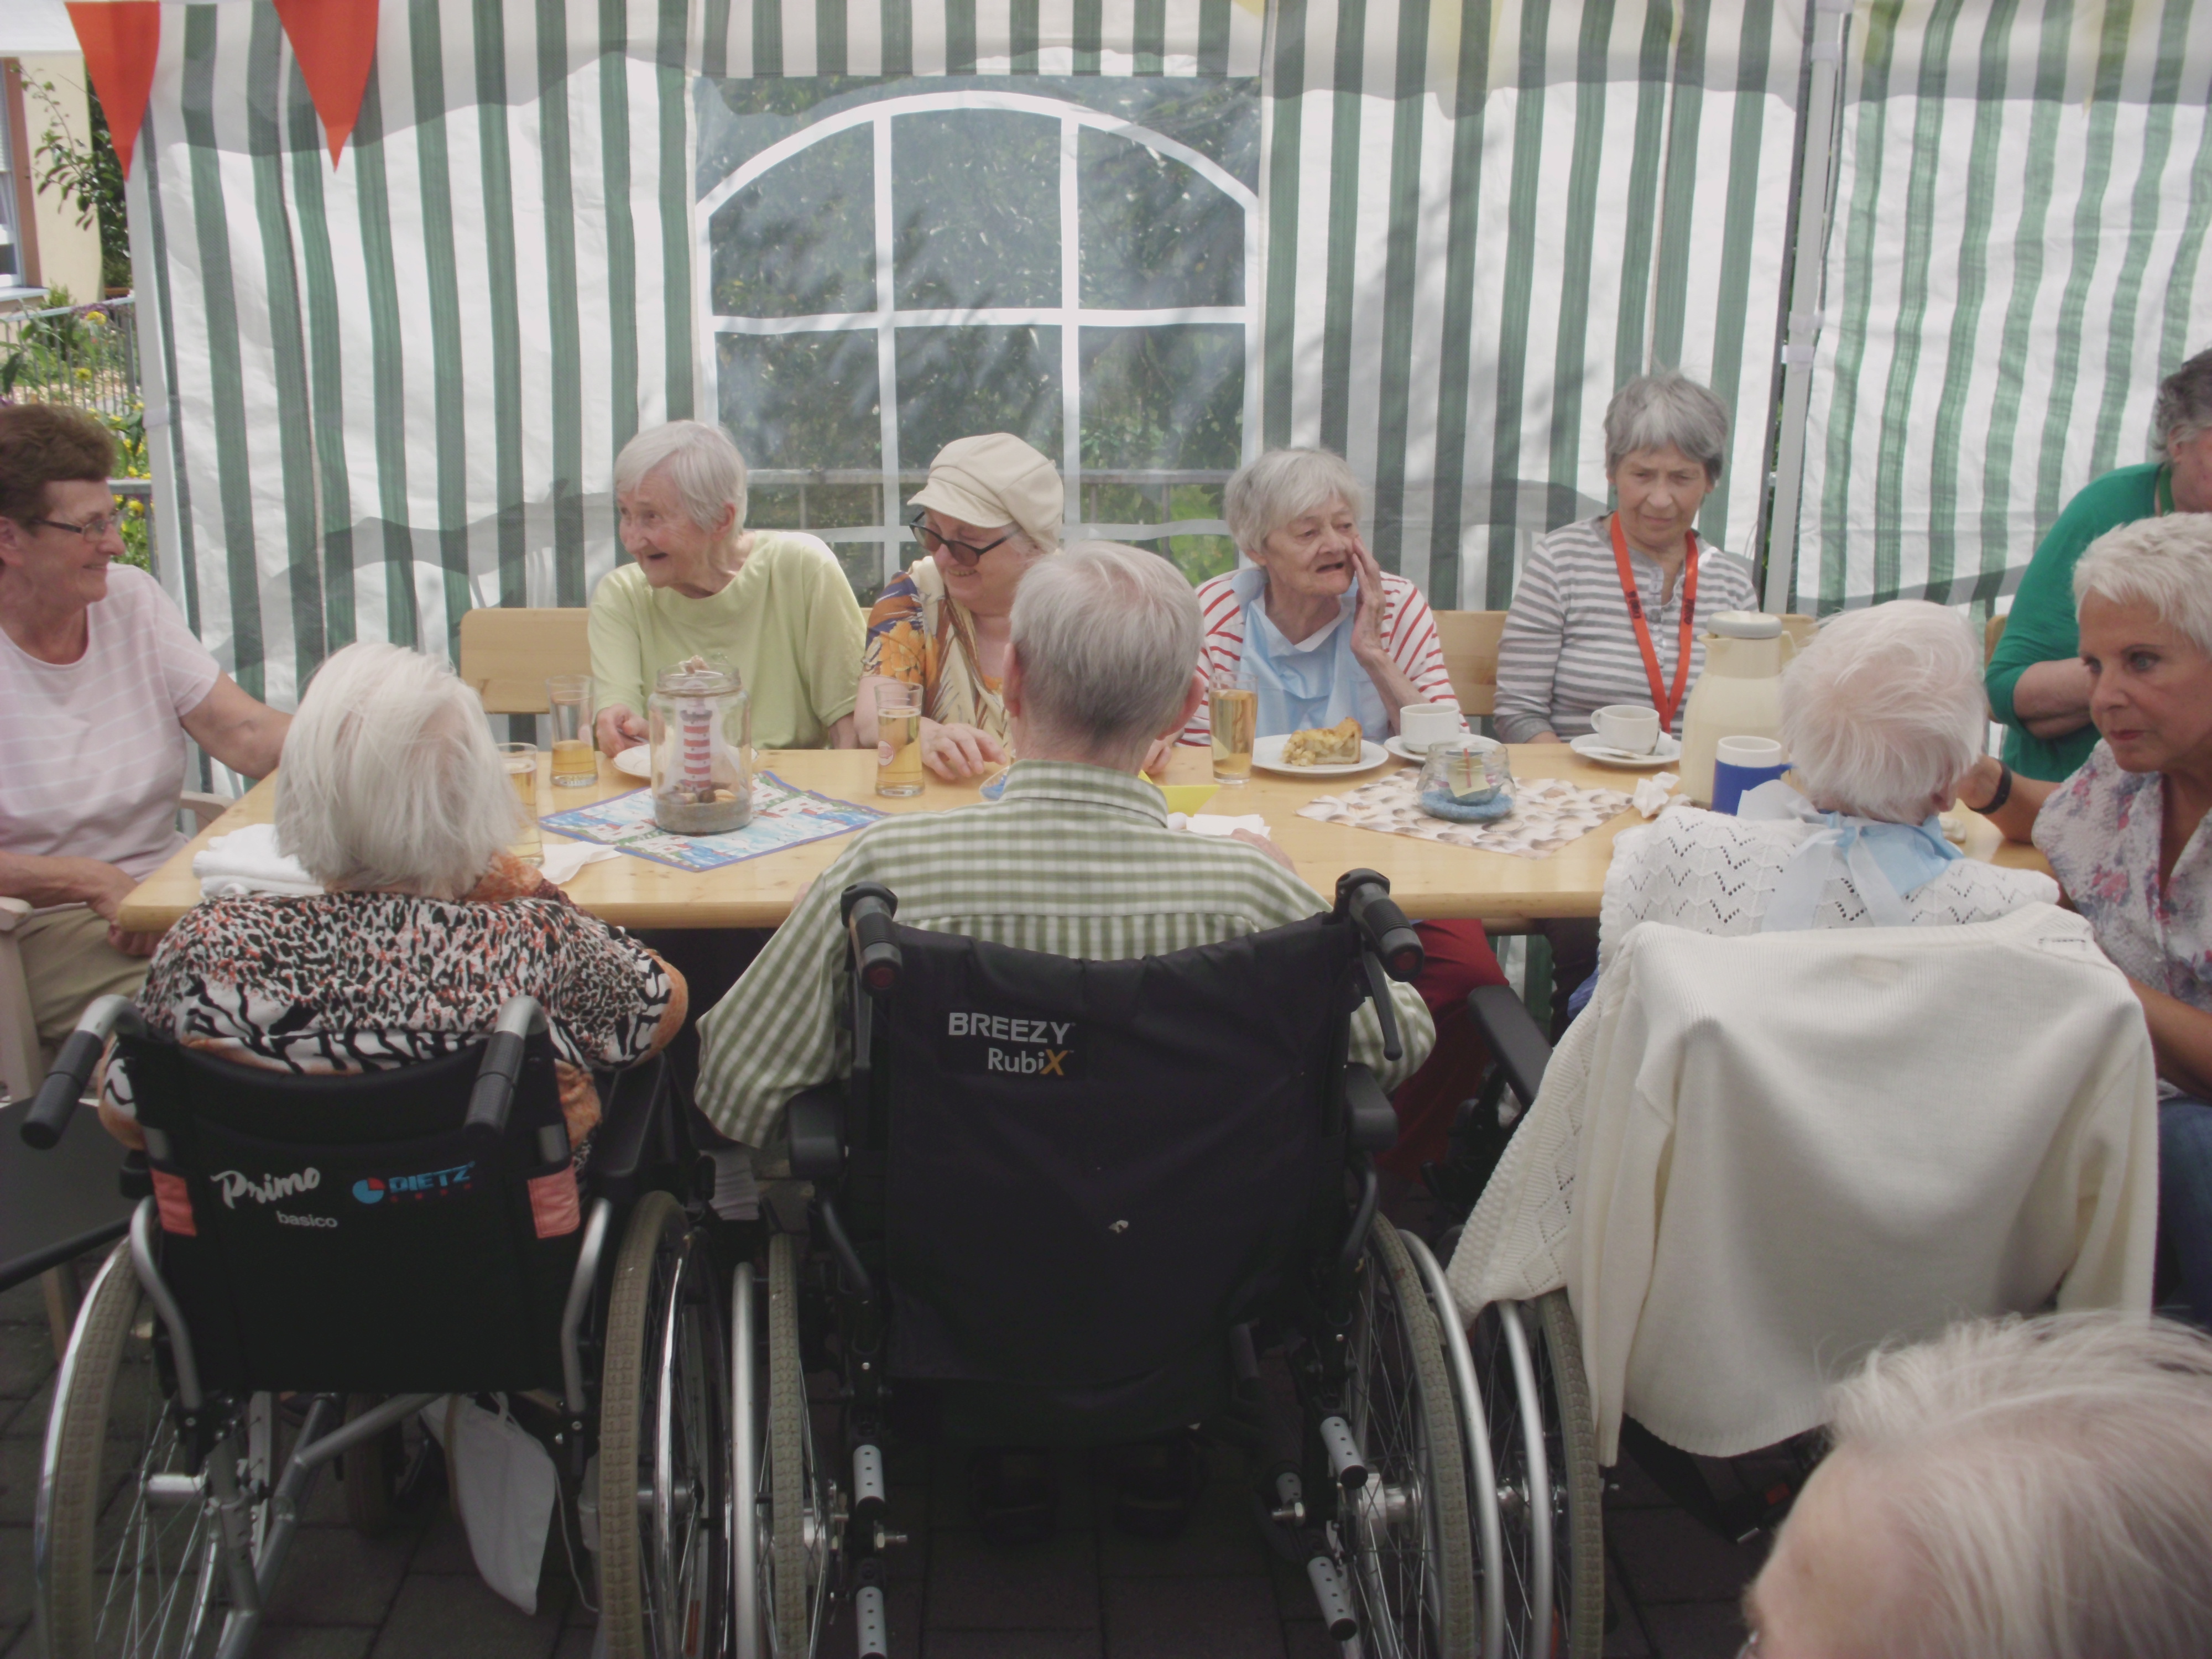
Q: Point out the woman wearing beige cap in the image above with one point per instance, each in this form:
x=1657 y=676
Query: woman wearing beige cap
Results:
x=991 y=509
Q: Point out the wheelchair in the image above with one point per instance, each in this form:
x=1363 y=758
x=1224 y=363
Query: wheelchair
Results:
x=337 y=1253
x=1071 y=1203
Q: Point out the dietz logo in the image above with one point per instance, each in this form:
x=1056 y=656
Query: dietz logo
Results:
x=234 y=1184
x=1010 y=1047
x=416 y=1189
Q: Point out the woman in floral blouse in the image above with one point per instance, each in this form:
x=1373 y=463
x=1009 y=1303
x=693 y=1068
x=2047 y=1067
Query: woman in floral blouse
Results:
x=2126 y=833
x=392 y=797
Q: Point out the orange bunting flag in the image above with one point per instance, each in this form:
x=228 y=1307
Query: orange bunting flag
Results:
x=335 y=41
x=121 y=40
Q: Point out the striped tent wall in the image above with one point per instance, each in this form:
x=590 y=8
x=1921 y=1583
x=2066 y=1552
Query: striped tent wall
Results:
x=386 y=392
x=1483 y=219
x=2015 y=259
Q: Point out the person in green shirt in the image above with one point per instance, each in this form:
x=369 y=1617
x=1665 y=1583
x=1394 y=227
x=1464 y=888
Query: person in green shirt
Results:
x=2038 y=684
x=774 y=605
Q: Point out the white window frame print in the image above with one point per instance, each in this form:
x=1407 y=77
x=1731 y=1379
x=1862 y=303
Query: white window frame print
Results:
x=1070 y=316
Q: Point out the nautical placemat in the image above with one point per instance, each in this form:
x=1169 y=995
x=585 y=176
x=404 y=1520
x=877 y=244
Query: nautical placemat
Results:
x=783 y=817
x=1547 y=814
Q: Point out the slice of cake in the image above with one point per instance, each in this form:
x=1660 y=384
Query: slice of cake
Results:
x=1334 y=745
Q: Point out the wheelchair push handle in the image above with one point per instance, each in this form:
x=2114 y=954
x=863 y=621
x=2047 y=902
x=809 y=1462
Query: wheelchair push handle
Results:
x=55 y=1104
x=1365 y=897
x=501 y=1069
x=869 y=908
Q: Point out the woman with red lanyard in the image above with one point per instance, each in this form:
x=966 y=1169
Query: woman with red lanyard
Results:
x=1606 y=609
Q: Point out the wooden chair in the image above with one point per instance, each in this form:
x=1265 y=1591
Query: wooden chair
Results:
x=507 y=654
x=1470 y=641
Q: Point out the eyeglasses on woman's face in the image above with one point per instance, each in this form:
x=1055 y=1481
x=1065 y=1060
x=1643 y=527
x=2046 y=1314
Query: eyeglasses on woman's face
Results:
x=962 y=554
x=94 y=529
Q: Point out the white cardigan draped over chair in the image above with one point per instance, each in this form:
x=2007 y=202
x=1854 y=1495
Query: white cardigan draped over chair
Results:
x=1753 y=1159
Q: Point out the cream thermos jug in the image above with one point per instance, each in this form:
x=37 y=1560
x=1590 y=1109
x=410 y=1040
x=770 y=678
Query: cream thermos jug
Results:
x=1739 y=694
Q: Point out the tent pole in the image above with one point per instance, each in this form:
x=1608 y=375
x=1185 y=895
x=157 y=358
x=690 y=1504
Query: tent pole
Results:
x=1830 y=18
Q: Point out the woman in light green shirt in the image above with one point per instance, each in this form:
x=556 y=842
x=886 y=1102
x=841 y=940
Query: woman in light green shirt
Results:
x=775 y=604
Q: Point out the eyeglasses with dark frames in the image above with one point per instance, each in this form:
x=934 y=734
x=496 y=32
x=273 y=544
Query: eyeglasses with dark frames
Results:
x=962 y=554
x=93 y=529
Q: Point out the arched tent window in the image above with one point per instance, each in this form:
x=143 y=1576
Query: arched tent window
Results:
x=897 y=273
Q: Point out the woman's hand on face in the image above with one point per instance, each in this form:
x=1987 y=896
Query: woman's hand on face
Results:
x=618 y=729
x=956 y=753
x=1367 y=644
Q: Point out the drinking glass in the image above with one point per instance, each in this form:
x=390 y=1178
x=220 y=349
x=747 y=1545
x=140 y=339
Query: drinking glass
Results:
x=520 y=761
x=898 y=740
x=568 y=703
x=1233 y=711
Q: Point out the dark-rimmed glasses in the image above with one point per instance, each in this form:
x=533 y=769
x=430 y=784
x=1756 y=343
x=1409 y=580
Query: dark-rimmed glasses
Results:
x=93 y=529
x=963 y=555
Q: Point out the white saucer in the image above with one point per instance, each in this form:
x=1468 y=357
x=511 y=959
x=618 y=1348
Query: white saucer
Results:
x=635 y=762
x=1398 y=747
x=1267 y=757
x=1666 y=752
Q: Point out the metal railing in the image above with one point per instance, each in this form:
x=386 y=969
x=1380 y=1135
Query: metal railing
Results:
x=1151 y=492
x=85 y=355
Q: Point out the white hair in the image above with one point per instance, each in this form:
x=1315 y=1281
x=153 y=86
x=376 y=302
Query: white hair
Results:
x=702 y=464
x=2164 y=563
x=2047 y=1481
x=1884 y=710
x=1108 y=638
x=390 y=779
x=1282 y=485
x=1664 y=410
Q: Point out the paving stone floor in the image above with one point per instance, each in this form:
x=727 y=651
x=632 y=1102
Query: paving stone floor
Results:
x=1216 y=1593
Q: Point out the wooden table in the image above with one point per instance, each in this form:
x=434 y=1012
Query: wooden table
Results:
x=1430 y=879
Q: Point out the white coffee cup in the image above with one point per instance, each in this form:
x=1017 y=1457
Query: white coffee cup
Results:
x=1420 y=724
x=1632 y=727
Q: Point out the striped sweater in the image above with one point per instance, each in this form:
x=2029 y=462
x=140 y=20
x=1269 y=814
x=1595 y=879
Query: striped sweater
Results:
x=1409 y=629
x=1569 y=645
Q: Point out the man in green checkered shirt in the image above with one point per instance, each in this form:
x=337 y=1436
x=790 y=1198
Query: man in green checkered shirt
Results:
x=1075 y=858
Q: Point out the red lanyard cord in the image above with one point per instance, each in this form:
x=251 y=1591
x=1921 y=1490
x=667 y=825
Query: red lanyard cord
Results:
x=1664 y=700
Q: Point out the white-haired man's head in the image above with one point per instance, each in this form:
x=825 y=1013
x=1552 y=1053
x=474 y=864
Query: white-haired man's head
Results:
x=2036 y=1489
x=390 y=779
x=1883 y=712
x=1104 y=659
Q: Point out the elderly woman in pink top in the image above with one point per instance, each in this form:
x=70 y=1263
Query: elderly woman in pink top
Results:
x=102 y=683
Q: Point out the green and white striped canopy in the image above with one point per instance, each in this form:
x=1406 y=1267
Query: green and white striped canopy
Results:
x=384 y=392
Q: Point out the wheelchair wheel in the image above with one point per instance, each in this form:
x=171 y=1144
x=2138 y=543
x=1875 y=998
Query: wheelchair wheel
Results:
x=663 y=1576
x=796 y=1516
x=128 y=1554
x=1544 y=1447
x=1405 y=1533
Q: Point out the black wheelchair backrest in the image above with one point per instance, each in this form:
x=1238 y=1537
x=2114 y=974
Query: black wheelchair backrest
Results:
x=358 y=1231
x=1089 y=1168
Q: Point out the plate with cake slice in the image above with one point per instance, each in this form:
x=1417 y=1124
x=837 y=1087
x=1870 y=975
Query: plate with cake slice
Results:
x=1327 y=751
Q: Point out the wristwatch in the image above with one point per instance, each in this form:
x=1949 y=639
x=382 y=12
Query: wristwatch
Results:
x=2003 y=794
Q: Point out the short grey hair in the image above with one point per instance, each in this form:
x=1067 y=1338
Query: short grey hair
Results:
x=1282 y=485
x=2183 y=406
x=390 y=779
x=703 y=464
x=2047 y=1482
x=1884 y=710
x=1666 y=409
x=1108 y=638
x=2164 y=563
